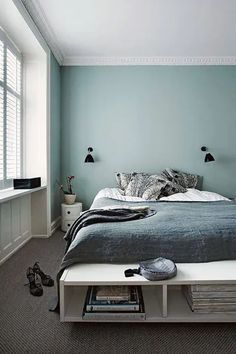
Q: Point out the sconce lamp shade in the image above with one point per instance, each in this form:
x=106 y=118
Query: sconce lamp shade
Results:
x=89 y=157
x=209 y=157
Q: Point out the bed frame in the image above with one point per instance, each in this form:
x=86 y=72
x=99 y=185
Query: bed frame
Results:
x=164 y=300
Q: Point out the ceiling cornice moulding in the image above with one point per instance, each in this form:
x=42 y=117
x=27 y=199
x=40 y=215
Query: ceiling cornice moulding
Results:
x=37 y=14
x=39 y=18
x=90 y=61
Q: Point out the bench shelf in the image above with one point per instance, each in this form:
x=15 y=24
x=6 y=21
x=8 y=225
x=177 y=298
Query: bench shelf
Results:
x=163 y=300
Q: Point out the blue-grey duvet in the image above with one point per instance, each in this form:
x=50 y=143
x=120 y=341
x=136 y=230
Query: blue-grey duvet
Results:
x=181 y=231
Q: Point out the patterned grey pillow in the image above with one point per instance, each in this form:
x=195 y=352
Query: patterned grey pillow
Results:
x=171 y=188
x=183 y=179
x=154 y=186
x=158 y=186
x=123 y=180
x=149 y=186
x=137 y=184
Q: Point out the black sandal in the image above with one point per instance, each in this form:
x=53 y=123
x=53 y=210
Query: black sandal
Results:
x=35 y=287
x=46 y=279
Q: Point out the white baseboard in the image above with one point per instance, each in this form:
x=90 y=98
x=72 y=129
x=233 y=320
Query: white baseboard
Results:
x=55 y=224
x=40 y=236
x=15 y=250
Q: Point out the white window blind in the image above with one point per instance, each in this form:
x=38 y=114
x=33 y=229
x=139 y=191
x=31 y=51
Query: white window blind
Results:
x=10 y=112
x=1 y=136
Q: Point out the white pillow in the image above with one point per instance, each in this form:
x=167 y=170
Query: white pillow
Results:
x=196 y=196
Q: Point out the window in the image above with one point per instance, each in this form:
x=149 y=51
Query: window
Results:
x=10 y=112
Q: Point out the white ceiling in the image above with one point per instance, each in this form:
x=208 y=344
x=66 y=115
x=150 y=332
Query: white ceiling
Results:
x=141 y=31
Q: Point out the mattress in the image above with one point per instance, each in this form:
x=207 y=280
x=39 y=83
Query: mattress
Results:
x=192 y=194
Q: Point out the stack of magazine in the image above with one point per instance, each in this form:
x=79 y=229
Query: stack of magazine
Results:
x=114 y=303
x=211 y=298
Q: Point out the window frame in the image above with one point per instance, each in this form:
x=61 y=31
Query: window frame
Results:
x=7 y=183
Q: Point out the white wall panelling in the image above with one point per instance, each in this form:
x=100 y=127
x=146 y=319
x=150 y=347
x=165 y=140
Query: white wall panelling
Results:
x=21 y=218
x=15 y=225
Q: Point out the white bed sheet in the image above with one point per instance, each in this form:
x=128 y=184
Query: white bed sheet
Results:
x=190 y=195
x=196 y=195
x=116 y=193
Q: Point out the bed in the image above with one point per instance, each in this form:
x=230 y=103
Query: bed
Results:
x=196 y=229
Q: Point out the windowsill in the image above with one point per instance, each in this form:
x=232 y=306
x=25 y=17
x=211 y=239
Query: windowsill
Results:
x=11 y=193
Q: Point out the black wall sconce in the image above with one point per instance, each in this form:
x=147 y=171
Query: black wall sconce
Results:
x=208 y=156
x=89 y=157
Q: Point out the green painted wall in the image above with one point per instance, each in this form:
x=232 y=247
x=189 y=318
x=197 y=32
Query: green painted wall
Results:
x=55 y=87
x=146 y=118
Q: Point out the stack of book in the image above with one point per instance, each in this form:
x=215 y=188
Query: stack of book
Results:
x=114 y=303
x=211 y=298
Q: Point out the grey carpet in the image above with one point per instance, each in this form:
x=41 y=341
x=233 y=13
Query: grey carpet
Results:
x=26 y=325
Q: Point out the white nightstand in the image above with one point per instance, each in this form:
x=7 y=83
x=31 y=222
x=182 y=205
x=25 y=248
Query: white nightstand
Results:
x=69 y=213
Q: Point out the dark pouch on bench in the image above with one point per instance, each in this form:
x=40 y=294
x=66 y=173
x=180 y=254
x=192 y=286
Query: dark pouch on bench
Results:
x=154 y=269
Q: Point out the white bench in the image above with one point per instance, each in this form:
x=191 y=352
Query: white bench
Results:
x=164 y=300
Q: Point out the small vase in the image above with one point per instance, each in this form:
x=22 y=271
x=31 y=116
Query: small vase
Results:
x=70 y=198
